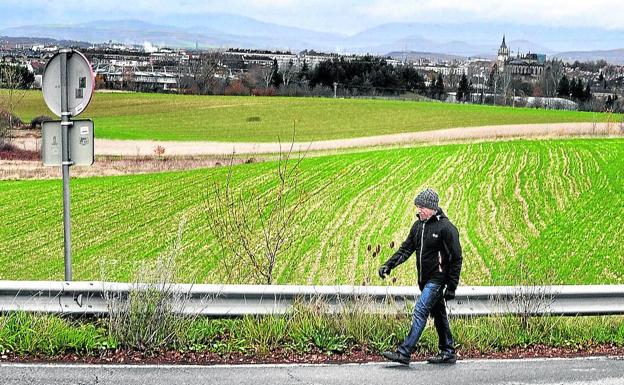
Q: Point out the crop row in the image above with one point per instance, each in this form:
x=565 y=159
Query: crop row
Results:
x=527 y=211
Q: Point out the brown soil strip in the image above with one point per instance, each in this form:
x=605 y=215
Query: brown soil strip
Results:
x=122 y=157
x=287 y=357
x=147 y=147
x=11 y=169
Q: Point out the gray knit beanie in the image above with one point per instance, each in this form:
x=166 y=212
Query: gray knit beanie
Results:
x=427 y=198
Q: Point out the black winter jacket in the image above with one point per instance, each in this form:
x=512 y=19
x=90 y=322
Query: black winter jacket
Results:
x=438 y=252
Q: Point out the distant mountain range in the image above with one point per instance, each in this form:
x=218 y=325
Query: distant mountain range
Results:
x=614 y=56
x=225 y=30
x=411 y=55
x=47 y=40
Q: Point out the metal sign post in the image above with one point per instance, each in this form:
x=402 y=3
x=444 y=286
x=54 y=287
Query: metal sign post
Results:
x=68 y=77
x=65 y=123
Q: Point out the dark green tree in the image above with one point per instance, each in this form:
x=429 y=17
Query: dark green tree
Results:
x=587 y=95
x=463 y=90
x=304 y=72
x=276 y=77
x=439 y=86
x=411 y=79
x=576 y=89
x=573 y=88
x=563 y=88
x=435 y=86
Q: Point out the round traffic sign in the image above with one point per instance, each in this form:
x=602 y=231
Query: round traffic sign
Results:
x=80 y=83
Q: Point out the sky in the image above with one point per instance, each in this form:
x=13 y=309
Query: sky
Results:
x=338 y=16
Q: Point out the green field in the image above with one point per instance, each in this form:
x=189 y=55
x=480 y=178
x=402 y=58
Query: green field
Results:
x=573 y=190
x=264 y=119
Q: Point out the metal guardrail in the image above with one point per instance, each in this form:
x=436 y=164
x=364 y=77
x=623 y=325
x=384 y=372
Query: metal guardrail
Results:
x=94 y=298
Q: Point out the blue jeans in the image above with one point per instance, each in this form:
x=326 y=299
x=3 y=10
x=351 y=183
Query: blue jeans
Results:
x=431 y=301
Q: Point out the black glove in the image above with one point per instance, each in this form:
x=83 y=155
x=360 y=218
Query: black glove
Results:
x=449 y=294
x=384 y=271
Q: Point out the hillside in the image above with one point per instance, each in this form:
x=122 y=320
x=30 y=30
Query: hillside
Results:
x=265 y=119
x=573 y=191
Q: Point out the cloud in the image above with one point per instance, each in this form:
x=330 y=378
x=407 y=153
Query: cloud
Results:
x=347 y=16
x=596 y=13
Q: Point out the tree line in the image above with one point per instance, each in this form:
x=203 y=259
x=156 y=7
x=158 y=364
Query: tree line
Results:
x=574 y=89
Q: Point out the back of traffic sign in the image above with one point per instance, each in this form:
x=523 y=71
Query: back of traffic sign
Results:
x=80 y=83
x=67 y=85
x=81 y=143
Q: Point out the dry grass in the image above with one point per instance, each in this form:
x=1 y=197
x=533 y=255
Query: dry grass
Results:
x=14 y=169
x=8 y=151
x=18 y=168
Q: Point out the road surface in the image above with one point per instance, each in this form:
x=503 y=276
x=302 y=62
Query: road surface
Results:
x=586 y=371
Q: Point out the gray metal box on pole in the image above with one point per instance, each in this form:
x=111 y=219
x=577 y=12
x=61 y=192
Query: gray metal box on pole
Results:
x=81 y=143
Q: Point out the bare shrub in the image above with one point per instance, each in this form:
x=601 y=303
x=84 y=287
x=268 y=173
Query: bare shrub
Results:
x=8 y=122
x=4 y=135
x=237 y=88
x=264 y=91
x=536 y=103
x=254 y=228
x=320 y=90
x=13 y=87
x=159 y=150
x=294 y=90
x=531 y=301
x=152 y=315
x=531 y=295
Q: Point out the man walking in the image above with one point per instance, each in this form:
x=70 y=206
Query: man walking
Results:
x=438 y=262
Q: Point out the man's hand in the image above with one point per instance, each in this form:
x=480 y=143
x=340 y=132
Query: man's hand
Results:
x=449 y=294
x=384 y=271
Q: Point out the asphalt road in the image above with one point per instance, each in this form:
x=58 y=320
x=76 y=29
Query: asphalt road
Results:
x=593 y=371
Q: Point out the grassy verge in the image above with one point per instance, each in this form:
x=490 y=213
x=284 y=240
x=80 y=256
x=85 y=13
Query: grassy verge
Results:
x=151 y=320
x=306 y=330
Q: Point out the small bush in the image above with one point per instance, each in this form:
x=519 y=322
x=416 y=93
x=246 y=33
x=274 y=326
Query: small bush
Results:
x=264 y=334
x=237 y=88
x=24 y=333
x=152 y=317
x=38 y=121
x=270 y=91
x=311 y=327
x=159 y=151
x=9 y=121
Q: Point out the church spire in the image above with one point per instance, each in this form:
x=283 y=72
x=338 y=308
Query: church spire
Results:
x=503 y=54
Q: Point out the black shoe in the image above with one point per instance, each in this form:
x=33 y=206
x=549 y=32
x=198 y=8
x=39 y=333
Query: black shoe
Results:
x=397 y=357
x=443 y=358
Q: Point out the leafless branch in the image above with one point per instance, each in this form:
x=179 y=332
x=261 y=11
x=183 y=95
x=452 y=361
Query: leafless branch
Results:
x=254 y=228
